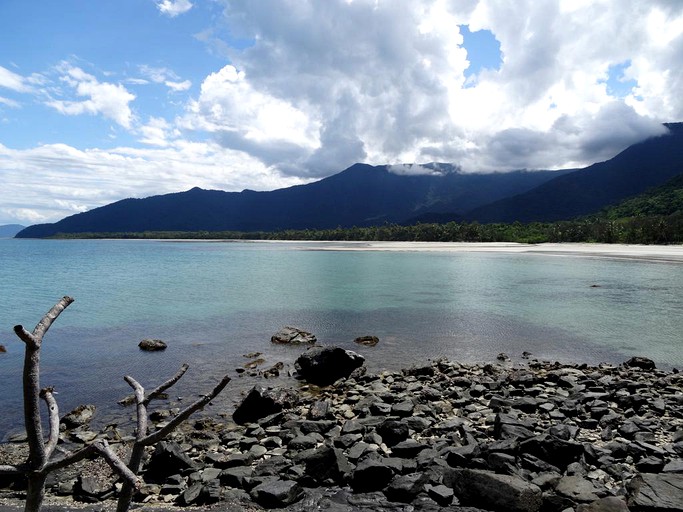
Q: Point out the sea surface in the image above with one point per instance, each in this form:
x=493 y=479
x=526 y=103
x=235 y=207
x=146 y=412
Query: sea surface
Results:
x=213 y=302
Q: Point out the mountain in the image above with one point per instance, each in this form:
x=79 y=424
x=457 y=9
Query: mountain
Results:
x=362 y=195
x=666 y=199
x=9 y=230
x=641 y=166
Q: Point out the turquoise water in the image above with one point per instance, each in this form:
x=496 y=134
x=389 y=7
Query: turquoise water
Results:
x=214 y=301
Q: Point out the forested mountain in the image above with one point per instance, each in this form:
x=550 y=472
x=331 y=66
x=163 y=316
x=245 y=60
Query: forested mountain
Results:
x=362 y=195
x=365 y=195
x=666 y=199
x=639 y=167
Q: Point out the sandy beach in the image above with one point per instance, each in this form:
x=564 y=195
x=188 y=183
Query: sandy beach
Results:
x=667 y=253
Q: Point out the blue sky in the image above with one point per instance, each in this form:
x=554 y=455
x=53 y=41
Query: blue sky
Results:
x=102 y=100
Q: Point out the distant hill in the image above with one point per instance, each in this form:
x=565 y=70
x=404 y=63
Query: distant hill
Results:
x=362 y=195
x=634 y=170
x=9 y=230
x=666 y=199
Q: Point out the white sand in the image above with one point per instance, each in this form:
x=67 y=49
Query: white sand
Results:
x=668 y=253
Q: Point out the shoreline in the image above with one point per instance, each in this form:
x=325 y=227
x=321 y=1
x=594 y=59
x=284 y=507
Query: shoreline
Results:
x=548 y=436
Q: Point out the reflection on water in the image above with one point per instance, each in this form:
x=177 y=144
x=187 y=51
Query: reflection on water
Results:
x=214 y=302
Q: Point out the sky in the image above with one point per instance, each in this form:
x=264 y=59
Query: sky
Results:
x=108 y=99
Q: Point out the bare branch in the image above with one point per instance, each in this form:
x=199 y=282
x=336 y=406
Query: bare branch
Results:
x=51 y=316
x=141 y=406
x=102 y=447
x=69 y=458
x=184 y=414
x=26 y=337
x=53 y=414
x=163 y=387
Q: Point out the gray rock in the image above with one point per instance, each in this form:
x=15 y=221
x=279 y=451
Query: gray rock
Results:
x=167 y=459
x=235 y=477
x=277 y=494
x=577 y=489
x=368 y=341
x=654 y=492
x=150 y=345
x=324 y=463
x=261 y=403
x=371 y=475
x=293 y=336
x=325 y=365
x=302 y=443
x=393 y=432
x=489 y=490
x=640 y=362
x=405 y=488
x=608 y=504
x=440 y=493
x=408 y=448
x=79 y=417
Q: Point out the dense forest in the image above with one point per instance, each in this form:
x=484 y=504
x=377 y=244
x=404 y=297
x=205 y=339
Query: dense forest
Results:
x=655 y=217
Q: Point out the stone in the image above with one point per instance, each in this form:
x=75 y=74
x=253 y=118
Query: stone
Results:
x=150 y=345
x=440 y=493
x=167 y=459
x=491 y=491
x=3 y=349
x=608 y=504
x=405 y=488
x=577 y=489
x=408 y=448
x=236 y=477
x=261 y=403
x=653 y=492
x=371 y=475
x=293 y=336
x=640 y=362
x=393 y=432
x=79 y=417
x=324 y=463
x=277 y=493
x=90 y=489
x=302 y=443
x=323 y=365
x=553 y=450
x=368 y=341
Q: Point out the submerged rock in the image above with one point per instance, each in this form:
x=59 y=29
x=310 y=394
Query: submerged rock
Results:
x=150 y=345
x=368 y=341
x=293 y=336
x=79 y=417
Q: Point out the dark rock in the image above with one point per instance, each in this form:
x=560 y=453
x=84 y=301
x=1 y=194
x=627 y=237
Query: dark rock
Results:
x=325 y=365
x=405 y=488
x=371 y=475
x=552 y=449
x=675 y=466
x=302 y=443
x=508 y=426
x=91 y=489
x=150 y=345
x=460 y=456
x=3 y=349
x=210 y=493
x=320 y=409
x=191 y=494
x=640 y=362
x=393 y=432
x=235 y=477
x=489 y=490
x=260 y=403
x=403 y=409
x=277 y=494
x=368 y=341
x=293 y=336
x=324 y=463
x=608 y=504
x=577 y=489
x=272 y=466
x=408 y=448
x=440 y=493
x=79 y=417
x=167 y=459
x=652 y=492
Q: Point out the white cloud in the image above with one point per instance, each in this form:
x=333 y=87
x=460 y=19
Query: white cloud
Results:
x=173 y=8
x=155 y=132
x=59 y=180
x=8 y=102
x=161 y=75
x=110 y=100
x=178 y=86
x=13 y=81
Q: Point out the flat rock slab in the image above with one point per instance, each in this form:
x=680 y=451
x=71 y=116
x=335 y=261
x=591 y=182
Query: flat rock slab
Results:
x=277 y=494
x=492 y=491
x=293 y=336
x=657 y=492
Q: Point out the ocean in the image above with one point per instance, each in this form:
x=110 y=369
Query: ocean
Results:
x=213 y=302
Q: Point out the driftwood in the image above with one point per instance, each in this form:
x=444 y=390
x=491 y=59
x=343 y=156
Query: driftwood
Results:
x=39 y=464
x=143 y=439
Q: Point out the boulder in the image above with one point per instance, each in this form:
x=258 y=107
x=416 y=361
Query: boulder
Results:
x=150 y=345
x=167 y=459
x=640 y=362
x=371 y=475
x=277 y=493
x=325 y=365
x=293 y=336
x=261 y=402
x=79 y=417
x=653 y=492
x=494 y=492
x=368 y=341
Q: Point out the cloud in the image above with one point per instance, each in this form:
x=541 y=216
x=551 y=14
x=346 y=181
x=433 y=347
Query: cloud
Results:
x=13 y=81
x=173 y=8
x=8 y=102
x=59 y=180
x=396 y=90
x=110 y=100
x=161 y=75
x=155 y=132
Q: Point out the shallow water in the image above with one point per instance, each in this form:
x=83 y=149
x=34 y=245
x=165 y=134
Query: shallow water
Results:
x=213 y=302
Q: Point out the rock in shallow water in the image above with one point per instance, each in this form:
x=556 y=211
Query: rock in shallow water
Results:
x=150 y=345
x=324 y=365
x=293 y=336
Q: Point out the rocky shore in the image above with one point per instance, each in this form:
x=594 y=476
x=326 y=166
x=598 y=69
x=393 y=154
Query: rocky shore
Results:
x=441 y=436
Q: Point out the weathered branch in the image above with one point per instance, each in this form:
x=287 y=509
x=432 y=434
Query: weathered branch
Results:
x=53 y=415
x=69 y=458
x=141 y=407
x=51 y=316
x=26 y=336
x=184 y=414
x=102 y=447
x=10 y=470
x=163 y=387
